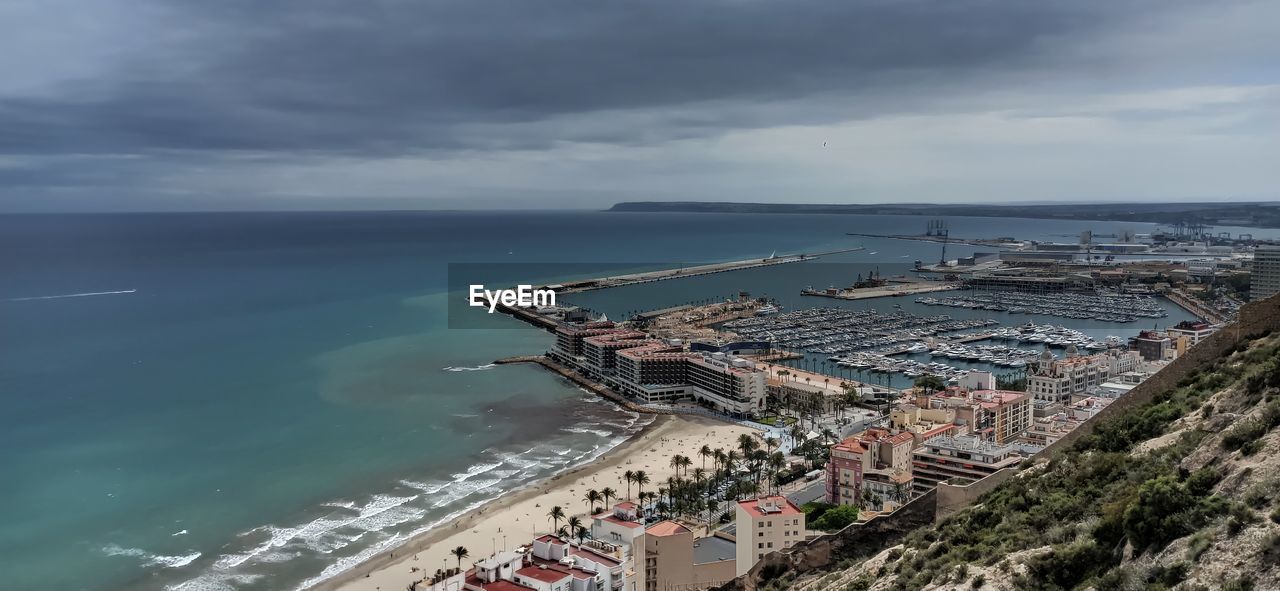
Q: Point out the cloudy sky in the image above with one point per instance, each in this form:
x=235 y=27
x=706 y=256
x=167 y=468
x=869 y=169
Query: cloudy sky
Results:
x=333 y=104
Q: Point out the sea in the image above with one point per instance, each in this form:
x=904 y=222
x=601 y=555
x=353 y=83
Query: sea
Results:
x=251 y=401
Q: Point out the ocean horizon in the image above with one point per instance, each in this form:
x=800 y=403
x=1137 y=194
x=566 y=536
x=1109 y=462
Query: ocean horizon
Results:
x=244 y=401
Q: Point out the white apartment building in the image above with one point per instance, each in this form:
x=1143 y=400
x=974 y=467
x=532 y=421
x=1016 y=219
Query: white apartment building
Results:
x=1056 y=380
x=1266 y=273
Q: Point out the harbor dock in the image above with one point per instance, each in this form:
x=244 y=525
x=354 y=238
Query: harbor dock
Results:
x=691 y=271
x=890 y=290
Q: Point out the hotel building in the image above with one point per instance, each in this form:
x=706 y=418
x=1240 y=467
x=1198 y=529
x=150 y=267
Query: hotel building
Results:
x=660 y=372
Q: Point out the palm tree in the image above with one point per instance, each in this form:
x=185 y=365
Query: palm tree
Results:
x=556 y=514
x=705 y=452
x=608 y=494
x=630 y=477
x=685 y=462
x=797 y=434
x=575 y=528
x=770 y=443
x=592 y=497
x=776 y=462
x=460 y=552
x=641 y=479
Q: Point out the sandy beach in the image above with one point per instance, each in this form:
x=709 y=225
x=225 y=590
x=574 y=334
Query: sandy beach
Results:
x=516 y=518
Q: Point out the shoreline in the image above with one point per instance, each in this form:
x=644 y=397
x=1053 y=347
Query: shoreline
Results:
x=480 y=529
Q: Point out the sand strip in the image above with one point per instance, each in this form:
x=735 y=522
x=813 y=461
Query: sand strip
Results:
x=519 y=516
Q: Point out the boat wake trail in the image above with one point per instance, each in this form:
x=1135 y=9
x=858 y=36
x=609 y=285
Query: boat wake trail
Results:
x=73 y=295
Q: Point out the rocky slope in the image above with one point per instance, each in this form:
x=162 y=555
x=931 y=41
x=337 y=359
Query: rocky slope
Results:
x=1182 y=493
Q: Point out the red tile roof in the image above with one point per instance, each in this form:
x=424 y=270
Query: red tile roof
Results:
x=546 y=575
x=667 y=528
x=504 y=585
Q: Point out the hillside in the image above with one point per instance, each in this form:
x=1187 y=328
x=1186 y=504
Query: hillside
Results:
x=1182 y=492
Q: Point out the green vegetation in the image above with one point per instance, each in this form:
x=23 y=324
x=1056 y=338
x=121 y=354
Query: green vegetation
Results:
x=813 y=510
x=777 y=421
x=835 y=518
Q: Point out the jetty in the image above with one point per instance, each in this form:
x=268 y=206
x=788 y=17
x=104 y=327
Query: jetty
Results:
x=689 y=271
x=892 y=290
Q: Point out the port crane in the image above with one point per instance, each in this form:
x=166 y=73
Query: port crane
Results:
x=938 y=228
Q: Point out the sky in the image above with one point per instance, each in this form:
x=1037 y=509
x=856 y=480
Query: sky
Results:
x=142 y=105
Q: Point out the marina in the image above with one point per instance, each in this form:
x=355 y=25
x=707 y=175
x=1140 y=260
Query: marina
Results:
x=1109 y=307
x=867 y=341
x=840 y=330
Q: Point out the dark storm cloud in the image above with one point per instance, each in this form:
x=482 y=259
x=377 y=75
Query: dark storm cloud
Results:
x=395 y=77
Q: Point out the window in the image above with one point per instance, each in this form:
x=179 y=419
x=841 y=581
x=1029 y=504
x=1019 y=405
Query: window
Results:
x=770 y=544
x=760 y=545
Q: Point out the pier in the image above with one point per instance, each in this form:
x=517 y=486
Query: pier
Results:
x=995 y=243
x=693 y=271
x=893 y=290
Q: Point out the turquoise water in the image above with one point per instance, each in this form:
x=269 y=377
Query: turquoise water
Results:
x=276 y=396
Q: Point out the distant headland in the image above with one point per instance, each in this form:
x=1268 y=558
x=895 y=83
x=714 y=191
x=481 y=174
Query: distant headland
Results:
x=1259 y=214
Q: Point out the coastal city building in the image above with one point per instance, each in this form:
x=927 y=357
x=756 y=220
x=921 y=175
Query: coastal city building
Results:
x=924 y=423
x=1193 y=331
x=806 y=391
x=569 y=337
x=871 y=470
x=654 y=371
x=965 y=457
x=1151 y=345
x=548 y=563
x=1266 y=273
x=1056 y=380
x=675 y=559
x=997 y=415
x=763 y=526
